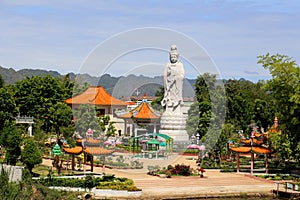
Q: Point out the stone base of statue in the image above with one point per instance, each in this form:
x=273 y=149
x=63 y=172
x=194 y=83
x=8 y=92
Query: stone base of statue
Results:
x=173 y=125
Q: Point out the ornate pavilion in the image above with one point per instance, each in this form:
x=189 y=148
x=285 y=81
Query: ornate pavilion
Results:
x=257 y=144
x=139 y=120
x=88 y=147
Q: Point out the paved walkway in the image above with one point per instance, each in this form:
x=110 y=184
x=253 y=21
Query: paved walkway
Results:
x=214 y=184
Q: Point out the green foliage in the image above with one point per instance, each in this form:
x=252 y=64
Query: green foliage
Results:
x=191 y=151
x=248 y=102
x=12 y=144
x=89 y=182
x=156 y=103
x=60 y=115
x=119 y=184
x=7 y=107
x=284 y=89
x=37 y=94
x=26 y=189
x=111 y=129
x=7 y=189
x=31 y=155
x=105 y=182
x=87 y=118
x=178 y=169
x=207 y=113
x=199 y=115
x=42 y=97
x=1 y=81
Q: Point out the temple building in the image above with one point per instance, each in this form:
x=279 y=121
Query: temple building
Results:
x=105 y=103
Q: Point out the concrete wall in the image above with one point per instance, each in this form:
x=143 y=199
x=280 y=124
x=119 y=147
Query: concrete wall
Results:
x=14 y=172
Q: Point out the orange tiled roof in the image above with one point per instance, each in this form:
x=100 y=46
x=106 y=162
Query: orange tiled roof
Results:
x=89 y=150
x=95 y=95
x=75 y=150
x=247 y=149
x=142 y=111
x=98 y=151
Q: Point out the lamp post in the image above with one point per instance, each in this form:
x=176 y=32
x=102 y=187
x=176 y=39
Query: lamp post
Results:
x=198 y=138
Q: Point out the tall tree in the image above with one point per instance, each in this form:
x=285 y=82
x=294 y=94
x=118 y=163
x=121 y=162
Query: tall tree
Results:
x=42 y=97
x=248 y=103
x=284 y=89
x=199 y=115
x=60 y=115
x=8 y=108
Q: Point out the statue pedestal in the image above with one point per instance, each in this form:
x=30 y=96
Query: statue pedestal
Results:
x=173 y=125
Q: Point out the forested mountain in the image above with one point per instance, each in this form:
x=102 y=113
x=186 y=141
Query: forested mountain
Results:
x=131 y=85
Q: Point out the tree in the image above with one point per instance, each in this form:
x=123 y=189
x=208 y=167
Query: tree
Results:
x=207 y=114
x=60 y=115
x=284 y=89
x=156 y=103
x=31 y=155
x=199 y=115
x=7 y=107
x=248 y=103
x=1 y=81
x=12 y=144
x=111 y=129
x=35 y=95
x=86 y=117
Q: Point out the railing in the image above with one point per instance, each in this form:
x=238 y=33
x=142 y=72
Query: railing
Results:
x=24 y=120
x=287 y=189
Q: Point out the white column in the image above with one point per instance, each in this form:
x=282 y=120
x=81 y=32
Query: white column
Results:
x=125 y=127
x=30 y=130
x=135 y=129
x=154 y=125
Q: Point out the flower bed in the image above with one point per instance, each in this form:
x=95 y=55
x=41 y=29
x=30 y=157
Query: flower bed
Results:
x=177 y=170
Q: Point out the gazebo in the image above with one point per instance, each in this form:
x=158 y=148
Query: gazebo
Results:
x=257 y=144
x=141 y=116
x=152 y=143
x=90 y=147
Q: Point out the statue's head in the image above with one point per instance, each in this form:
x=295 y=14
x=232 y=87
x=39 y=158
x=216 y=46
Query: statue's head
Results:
x=174 y=54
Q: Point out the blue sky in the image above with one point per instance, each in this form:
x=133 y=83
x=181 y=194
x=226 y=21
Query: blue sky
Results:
x=77 y=36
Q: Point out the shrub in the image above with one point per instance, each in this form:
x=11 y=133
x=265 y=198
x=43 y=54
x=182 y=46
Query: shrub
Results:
x=191 y=151
x=182 y=170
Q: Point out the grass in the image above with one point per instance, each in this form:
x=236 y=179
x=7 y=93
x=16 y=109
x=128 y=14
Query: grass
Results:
x=42 y=170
